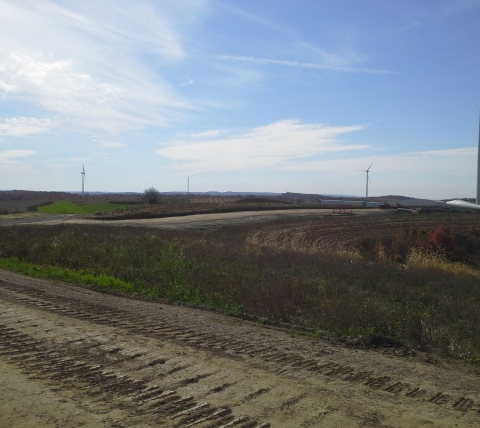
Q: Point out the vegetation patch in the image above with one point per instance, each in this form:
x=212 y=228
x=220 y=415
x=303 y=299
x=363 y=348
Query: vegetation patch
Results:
x=66 y=207
x=66 y=275
x=414 y=303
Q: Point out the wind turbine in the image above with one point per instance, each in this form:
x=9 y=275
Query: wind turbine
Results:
x=367 y=171
x=83 y=179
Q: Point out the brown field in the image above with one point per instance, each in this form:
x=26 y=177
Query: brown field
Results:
x=240 y=319
x=344 y=234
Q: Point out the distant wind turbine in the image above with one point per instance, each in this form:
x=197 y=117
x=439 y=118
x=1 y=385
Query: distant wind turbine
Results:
x=83 y=179
x=368 y=179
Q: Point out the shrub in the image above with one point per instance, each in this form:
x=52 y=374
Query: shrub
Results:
x=152 y=196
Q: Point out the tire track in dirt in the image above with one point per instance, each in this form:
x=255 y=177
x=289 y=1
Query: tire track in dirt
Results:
x=283 y=363
x=69 y=365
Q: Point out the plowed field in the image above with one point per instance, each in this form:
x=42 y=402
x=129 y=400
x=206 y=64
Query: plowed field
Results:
x=343 y=234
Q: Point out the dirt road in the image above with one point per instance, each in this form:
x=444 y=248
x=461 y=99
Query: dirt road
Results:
x=188 y=221
x=71 y=356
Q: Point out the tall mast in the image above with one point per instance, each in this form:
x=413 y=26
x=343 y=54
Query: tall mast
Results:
x=478 y=165
x=83 y=179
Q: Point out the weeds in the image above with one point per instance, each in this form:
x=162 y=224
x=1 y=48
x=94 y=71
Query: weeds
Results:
x=421 y=303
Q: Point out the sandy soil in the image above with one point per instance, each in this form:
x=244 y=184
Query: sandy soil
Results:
x=71 y=356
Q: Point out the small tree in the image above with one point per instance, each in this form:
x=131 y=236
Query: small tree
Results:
x=152 y=196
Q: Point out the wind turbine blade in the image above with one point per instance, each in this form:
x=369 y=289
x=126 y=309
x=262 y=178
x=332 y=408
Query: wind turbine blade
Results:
x=370 y=165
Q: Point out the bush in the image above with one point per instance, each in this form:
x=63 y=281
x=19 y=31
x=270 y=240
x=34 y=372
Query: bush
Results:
x=152 y=196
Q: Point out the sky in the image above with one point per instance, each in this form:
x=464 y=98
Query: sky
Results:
x=258 y=96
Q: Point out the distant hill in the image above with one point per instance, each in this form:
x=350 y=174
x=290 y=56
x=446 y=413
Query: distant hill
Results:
x=12 y=201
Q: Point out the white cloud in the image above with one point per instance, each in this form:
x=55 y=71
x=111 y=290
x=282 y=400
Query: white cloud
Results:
x=459 y=161
x=109 y=144
x=22 y=126
x=187 y=82
x=274 y=145
x=84 y=63
x=306 y=65
x=8 y=156
x=460 y=152
x=205 y=134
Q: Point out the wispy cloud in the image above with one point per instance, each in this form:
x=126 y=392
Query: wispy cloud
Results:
x=256 y=19
x=87 y=65
x=306 y=65
x=9 y=156
x=459 y=161
x=270 y=146
x=464 y=151
x=22 y=126
x=187 y=82
x=109 y=143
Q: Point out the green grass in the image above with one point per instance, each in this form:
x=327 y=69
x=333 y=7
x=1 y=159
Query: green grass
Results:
x=65 y=207
x=67 y=275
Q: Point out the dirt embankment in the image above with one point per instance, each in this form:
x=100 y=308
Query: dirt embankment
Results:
x=72 y=357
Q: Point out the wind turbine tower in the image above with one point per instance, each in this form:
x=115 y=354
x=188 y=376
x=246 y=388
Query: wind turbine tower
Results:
x=83 y=179
x=478 y=166
x=367 y=171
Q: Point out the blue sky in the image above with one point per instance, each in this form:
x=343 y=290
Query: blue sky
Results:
x=240 y=95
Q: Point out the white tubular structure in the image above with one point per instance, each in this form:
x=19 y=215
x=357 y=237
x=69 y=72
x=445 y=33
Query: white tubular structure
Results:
x=478 y=166
x=458 y=203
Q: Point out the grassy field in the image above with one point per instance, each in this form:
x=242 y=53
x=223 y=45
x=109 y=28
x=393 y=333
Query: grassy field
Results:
x=20 y=201
x=66 y=207
x=426 y=302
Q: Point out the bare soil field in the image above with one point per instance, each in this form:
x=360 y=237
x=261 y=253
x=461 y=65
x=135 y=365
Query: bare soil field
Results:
x=343 y=234
x=71 y=356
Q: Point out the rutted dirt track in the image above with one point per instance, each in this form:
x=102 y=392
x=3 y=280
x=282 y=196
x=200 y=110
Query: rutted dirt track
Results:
x=187 y=221
x=72 y=357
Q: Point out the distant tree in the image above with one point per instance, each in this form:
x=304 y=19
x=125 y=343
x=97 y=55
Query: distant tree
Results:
x=152 y=196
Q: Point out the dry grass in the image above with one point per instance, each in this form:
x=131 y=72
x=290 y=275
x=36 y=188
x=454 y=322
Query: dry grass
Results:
x=437 y=261
x=427 y=303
